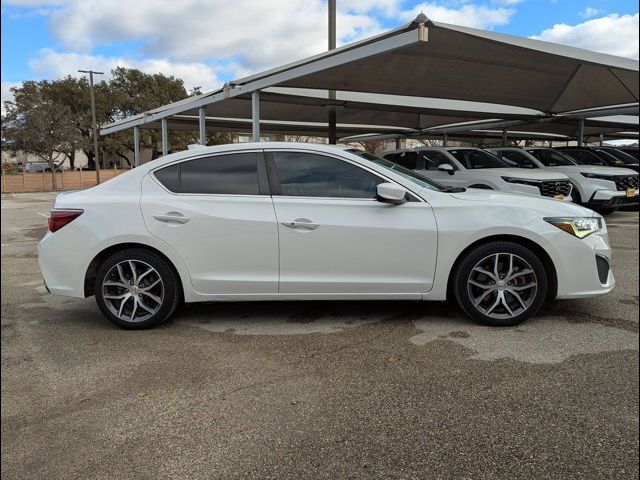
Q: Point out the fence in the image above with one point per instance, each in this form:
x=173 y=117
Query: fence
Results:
x=43 y=181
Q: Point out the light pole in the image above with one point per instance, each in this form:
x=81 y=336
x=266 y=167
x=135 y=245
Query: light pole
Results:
x=96 y=154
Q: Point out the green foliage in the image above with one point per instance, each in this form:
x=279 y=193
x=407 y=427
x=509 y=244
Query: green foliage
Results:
x=62 y=109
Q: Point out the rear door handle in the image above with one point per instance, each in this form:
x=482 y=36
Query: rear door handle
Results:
x=301 y=224
x=172 y=217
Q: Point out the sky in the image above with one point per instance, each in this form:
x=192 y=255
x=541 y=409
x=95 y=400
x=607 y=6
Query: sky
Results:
x=208 y=42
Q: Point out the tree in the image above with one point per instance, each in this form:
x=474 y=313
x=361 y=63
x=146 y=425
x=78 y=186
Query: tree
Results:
x=372 y=146
x=45 y=129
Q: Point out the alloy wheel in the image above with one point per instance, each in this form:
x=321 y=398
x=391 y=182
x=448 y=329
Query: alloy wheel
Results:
x=502 y=286
x=133 y=290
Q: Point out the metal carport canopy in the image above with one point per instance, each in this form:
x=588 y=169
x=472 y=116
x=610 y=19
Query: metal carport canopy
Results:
x=267 y=127
x=310 y=105
x=432 y=59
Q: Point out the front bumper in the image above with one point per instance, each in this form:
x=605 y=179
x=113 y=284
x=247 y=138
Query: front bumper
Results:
x=577 y=267
x=611 y=198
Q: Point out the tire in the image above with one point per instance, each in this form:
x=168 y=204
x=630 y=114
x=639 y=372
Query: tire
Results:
x=476 y=294
x=144 y=303
x=606 y=210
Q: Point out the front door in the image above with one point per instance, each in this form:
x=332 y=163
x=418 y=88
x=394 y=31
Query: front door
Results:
x=335 y=237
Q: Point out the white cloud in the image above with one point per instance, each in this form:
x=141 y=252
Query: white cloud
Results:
x=5 y=93
x=589 y=12
x=613 y=34
x=52 y=64
x=262 y=32
x=31 y=3
x=467 y=15
x=507 y=2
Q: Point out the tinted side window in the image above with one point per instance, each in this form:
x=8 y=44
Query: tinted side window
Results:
x=407 y=160
x=169 y=177
x=518 y=158
x=235 y=173
x=312 y=175
x=585 y=157
x=433 y=159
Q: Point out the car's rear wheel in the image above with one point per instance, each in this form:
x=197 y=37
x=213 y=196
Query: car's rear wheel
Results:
x=136 y=289
x=500 y=284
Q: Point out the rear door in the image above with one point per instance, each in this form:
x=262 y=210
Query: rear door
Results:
x=335 y=237
x=217 y=213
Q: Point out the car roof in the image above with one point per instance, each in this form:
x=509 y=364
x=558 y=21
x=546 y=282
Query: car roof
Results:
x=419 y=149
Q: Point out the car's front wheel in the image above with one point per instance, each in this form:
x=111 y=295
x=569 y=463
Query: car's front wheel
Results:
x=500 y=283
x=136 y=289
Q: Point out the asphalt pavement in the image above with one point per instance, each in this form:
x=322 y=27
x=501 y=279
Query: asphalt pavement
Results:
x=314 y=390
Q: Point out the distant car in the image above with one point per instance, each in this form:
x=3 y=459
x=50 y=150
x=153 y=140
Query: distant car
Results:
x=292 y=221
x=476 y=168
x=34 y=167
x=596 y=156
x=604 y=189
x=629 y=160
x=630 y=150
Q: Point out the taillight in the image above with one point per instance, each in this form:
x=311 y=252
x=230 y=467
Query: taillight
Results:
x=60 y=218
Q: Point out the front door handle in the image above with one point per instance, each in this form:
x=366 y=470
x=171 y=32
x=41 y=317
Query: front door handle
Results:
x=301 y=224
x=172 y=217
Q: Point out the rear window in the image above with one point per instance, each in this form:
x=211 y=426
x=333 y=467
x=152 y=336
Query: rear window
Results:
x=231 y=174
x=169 y=177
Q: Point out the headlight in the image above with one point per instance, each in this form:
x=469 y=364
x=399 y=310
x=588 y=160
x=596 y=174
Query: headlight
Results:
x=520 y=180
x=580 y=227
x=599 y=177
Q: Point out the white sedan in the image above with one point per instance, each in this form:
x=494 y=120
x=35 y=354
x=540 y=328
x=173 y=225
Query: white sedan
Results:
x=601 y=188
x=476 y=168
x=287 y=221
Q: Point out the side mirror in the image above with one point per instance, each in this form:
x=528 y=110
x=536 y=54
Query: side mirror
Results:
x=391 y=193
x=445 y=167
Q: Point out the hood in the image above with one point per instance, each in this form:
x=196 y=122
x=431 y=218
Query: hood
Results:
x=546 y=204
x=596 y=170
x=523 y=173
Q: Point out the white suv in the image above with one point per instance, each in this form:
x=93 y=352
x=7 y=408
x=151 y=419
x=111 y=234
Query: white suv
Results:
x=476 y=168
x=603 y=189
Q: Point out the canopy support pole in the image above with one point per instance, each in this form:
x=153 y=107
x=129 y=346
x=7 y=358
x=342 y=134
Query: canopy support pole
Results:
x=602 y=139
x=165 y=136
x=255 y=114
x=445 y=141
x=202 y=124
x=581 y=132
x=398 y=143
x=332 y=94
x=504 y=137
x=136 y=146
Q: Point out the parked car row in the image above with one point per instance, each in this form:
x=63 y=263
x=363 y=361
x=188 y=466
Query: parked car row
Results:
x=291 y=221
x=601 y=178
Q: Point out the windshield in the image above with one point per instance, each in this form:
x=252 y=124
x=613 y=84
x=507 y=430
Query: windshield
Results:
x=473 y=159
x=551 y=158
x=608 y=157
x=620 y=155
x=400 y=170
